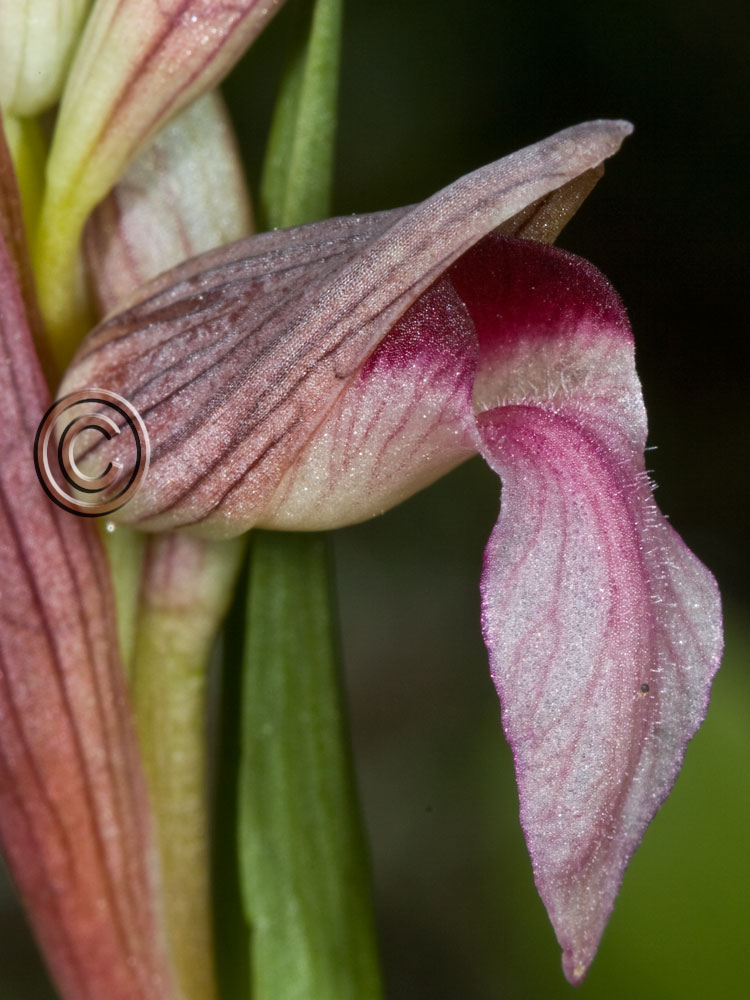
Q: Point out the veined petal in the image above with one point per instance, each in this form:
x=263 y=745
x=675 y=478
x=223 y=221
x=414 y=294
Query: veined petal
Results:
x=184 y=195
x=37 y=39
x=604 y=631
x=74 y=821
x=138 y=64
x=234 y=368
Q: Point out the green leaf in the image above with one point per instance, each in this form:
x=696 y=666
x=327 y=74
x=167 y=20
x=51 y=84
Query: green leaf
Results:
x=304 y=871
x=298 y=168
x=304 y=868
x=231 y=931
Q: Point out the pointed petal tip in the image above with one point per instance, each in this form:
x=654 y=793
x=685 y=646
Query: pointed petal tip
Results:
x=575 y=970
x=579 y=919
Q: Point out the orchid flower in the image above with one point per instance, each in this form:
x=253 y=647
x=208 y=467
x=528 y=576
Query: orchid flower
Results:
x=305 y=378
x=313 y=377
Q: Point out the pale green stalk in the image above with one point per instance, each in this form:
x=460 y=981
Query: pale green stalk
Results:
x=185 y=593
x=125 y=551
x=28 y=151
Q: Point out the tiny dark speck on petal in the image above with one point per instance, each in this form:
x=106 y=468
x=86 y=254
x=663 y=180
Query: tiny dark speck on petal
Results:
x=644 y=688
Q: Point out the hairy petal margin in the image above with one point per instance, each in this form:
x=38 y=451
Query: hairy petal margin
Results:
x=604 y=631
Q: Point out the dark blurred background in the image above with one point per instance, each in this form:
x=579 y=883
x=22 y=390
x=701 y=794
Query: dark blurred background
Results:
x=431 y=90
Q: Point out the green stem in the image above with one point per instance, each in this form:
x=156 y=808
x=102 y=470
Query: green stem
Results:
x=185 y=592
x=305 y=875
x=61 y=285
x=27 y=148
x=125 y=549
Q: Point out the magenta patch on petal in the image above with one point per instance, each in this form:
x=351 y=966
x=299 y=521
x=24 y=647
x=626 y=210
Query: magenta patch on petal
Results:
x=516 y=289
x=551 y=330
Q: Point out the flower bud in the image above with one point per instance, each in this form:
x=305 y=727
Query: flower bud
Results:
x=37 y=40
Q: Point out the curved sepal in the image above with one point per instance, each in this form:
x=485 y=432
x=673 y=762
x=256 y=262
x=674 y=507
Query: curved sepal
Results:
x=233 y=368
